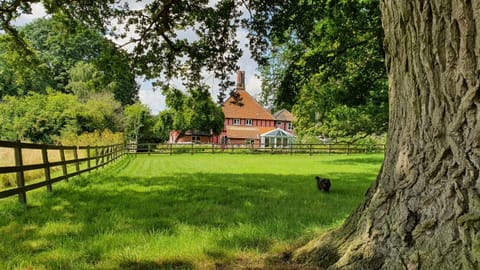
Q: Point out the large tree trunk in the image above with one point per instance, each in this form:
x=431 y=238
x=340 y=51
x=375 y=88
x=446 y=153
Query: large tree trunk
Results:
x=423 y=212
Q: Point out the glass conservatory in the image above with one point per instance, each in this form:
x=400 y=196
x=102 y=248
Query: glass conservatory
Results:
x=277 y=138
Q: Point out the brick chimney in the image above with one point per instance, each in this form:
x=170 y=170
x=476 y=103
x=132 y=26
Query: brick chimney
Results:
x=240 y=80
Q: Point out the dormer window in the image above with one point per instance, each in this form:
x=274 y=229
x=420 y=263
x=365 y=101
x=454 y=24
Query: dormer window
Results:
x=236 y=122
x=248 y=122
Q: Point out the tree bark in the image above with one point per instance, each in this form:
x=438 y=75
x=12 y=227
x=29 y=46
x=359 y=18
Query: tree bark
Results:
x=423 y=211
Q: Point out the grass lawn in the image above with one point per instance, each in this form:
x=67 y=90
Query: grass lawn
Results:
x=182 y=211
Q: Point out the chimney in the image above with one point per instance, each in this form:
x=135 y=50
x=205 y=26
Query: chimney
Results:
x=240 y=80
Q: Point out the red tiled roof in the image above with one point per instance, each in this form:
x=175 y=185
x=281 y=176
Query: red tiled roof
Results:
x=250 y=109
x=242 y=132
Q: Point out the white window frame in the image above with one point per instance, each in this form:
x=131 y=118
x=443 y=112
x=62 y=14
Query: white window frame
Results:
x=248 y=122
x=278 y=124
x=236 y=122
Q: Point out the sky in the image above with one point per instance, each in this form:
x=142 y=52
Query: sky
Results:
x=154 y=99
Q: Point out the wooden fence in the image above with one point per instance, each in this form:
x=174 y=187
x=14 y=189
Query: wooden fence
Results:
x=94 y=157
x=191 y=148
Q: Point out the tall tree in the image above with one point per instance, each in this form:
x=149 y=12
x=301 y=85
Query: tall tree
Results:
x=61 y=44
x=345 y=73
x=423 y=212
x=194 y=110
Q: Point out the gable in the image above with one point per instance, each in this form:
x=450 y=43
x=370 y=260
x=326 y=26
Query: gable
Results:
x=250 y=109
x=284 y=115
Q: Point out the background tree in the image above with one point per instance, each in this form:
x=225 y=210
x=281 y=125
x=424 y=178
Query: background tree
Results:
x=61 y=44
x=36 y=117
x=341 y=76
x=21 y=72
x=136 y=120
x=194 y=110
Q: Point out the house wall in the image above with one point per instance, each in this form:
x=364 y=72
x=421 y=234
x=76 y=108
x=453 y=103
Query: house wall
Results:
x=256 y=122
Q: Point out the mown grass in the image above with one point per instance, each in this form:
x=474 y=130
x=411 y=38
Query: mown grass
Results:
x=182 y=212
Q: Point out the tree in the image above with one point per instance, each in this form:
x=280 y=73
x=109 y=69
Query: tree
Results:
x=344 y=73
x=136 y=121
x=423 y=212
x=21 y=73
x=66 y=46
x=37 y=117
x=194 y=110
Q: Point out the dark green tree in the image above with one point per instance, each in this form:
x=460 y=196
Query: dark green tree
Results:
x=61 y=44
x=194 y=110
x=21 y=72
x=344 y=73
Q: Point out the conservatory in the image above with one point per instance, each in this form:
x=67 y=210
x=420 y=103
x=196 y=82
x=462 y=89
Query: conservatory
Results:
x=277 y=138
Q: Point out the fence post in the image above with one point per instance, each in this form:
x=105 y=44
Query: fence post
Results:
x=64 y=164
x=213 y=148
x=88 y=158
x=310 y=149
x=171 y=149
x=96 y=156
x=22 y=196
x=46 y=169
x=102 y=152
x=348 y=149
x=75 y=156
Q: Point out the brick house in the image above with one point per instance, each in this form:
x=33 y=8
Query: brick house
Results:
x=248 y=123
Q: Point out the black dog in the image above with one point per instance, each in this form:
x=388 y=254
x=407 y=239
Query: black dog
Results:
x=323 y=184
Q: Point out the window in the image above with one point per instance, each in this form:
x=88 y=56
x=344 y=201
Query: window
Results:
x=195 y=139
x=236 y=122
x=278 y=123
x=248 y=122
x=289 y=126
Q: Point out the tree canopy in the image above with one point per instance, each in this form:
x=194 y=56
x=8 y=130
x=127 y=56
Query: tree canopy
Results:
x=334 y=83
x=56 y=48
x=194 y=110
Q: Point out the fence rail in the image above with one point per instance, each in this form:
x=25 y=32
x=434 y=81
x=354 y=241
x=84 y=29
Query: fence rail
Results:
x=94 y=157
x=192 y=148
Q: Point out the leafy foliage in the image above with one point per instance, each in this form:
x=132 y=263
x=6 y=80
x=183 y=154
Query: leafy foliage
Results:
x=44 y=118
x=139 y=123
x=65 y=45
x=193 y=111
x=326 y=66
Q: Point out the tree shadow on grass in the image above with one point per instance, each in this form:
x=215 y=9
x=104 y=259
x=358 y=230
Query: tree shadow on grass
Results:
x=150 y=265
x=254 y=210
